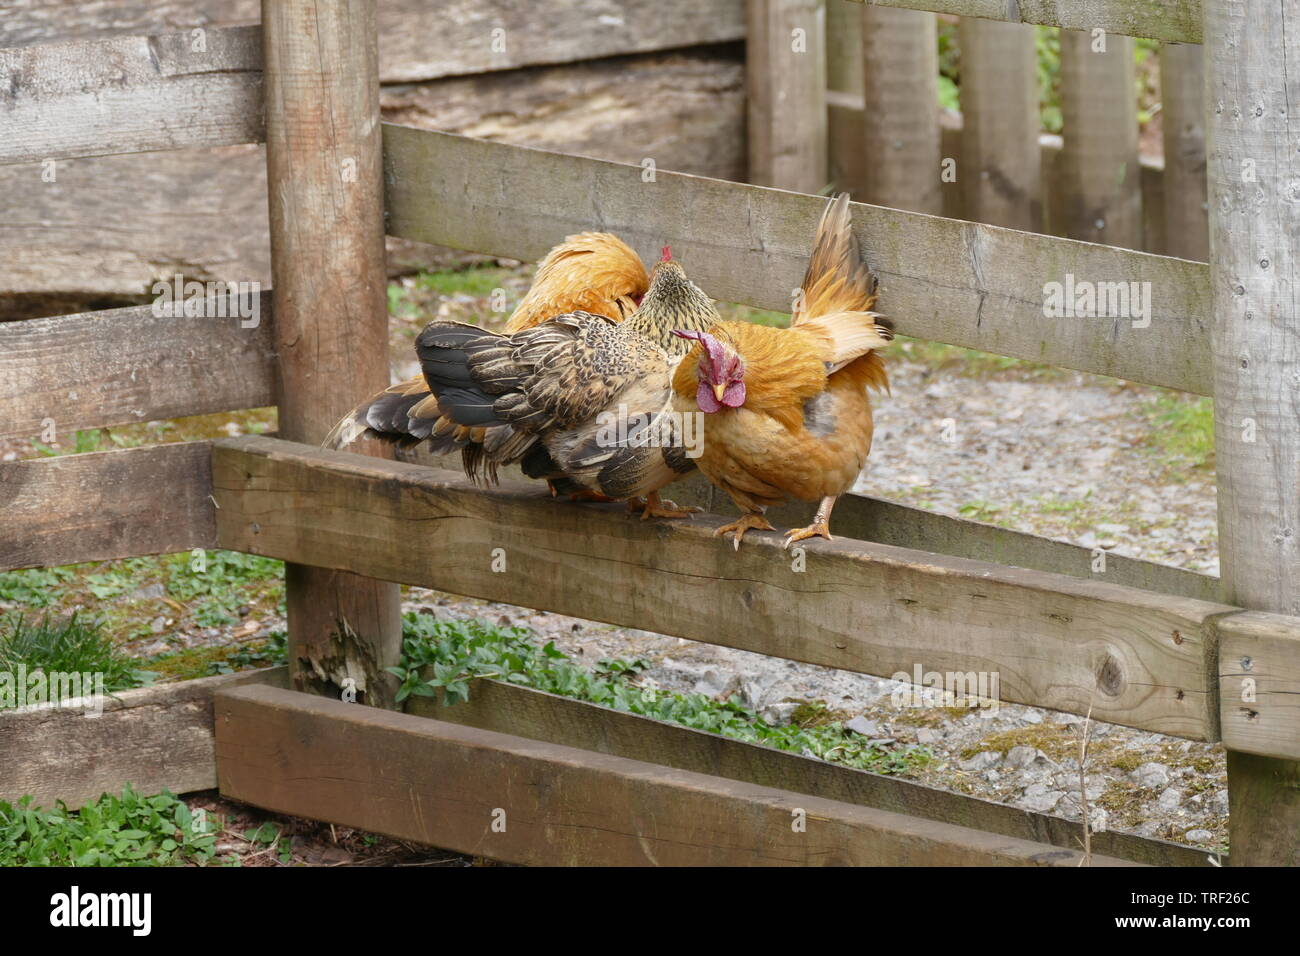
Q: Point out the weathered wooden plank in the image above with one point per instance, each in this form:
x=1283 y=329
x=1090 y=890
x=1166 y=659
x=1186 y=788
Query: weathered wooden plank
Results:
x=153 y=738
x=890 y=522
x=131 y=94
x=1102 y=199
x=1178 y=21
x=112 y=504
x=1259 y=674
x=131 y=365
x=526 y=801
x=1001 y=163
x=324 y=172
x=785 y=74
x=509 y=708
x=900 y=121
x=1252 y=69
x=534 y=32
x=1133 y=657
x=1182 y=98
x=963 y=283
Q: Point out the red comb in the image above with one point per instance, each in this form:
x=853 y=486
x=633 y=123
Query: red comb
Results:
x=667 y=254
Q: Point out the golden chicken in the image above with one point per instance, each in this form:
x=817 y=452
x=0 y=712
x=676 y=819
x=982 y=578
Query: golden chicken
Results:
x=593 y=272
x=786 y=411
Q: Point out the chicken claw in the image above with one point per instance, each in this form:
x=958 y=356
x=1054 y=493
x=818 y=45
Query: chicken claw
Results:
x=746 y=522
x=652 y=506
x=820 y=526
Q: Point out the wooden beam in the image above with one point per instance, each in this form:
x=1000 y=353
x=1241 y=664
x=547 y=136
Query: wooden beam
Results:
x=153 y=738
x=1182 y=99
x=533 y=32
x=1135 y=658
x=113 y=504
x=1001 y=163
x=331 y=331
x=123 y=366
x=1259 y=675
x=900 y=119
x=1178 y=21
x=785 y=73
x=131 y=94
x=977 y=286
x=1252 y=67
x=525 y=801
x=509 y=708
x=1102 y=199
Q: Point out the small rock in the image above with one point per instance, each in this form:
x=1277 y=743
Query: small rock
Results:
x=777 y=714
x=150 y=592
x=1154 y=776
x=1170 y=799
x=928 y=735
x=158 y=624
x=1039 y=799
x=1198 y=836
x=863 y=726
x=981 y=761
x=1020 y=756
x=1032 y=717
x=716 y=684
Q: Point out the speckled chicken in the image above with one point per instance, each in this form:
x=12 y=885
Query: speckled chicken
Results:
x=786 y=411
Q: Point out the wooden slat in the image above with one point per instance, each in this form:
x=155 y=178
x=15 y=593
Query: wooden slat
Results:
x=153 y=738
x=1259 y=673
x=1133 y=657
x=131 y=94
x=890 y=522
x=1000 y=170
x=1182 y=98
x=536 y=31
x=1102 y=199
x=509 y=708
x=129 y=365
x=900 y=121
x=1178 y=21
x=447 y=785
x=785 y=75
x=963 y=283
x=113 y=504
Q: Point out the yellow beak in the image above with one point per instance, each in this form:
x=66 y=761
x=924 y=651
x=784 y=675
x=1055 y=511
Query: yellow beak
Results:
x=719 y=391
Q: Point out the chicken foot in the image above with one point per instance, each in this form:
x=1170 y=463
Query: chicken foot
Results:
x=819 y=527
x=652 y=506
x=750 y=521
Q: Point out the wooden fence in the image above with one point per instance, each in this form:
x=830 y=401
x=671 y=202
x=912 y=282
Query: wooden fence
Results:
x=1141 y=645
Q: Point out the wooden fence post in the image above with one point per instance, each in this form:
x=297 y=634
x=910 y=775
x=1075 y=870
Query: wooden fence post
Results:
x=1253 y=81
x=1182 y=97
x=325 y=185
x=1001 y=172
x=785 y=63
x=1100 y=176
x=900 y=118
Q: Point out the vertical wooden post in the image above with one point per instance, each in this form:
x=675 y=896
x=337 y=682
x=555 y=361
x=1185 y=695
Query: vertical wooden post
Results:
x=1252 y=67
x=1001 y=168
x=785 y=57
x=844 y=46
x=900 y=119
x=1182 y=97
x=1100 y=175
x=324 y=174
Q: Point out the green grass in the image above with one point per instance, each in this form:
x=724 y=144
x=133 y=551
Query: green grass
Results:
x=446 y=656
x=70 y=645
x=124 y=830
x=1182 y=430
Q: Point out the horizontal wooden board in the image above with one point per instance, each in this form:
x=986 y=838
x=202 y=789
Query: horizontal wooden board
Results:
x=1176 y=21
x=959 y=282
x=1259 y=680
x=129 y=365
x=509 y=708
x=1133 y=657
x=153 y=738
x=131 y=94
x=891 y=522
x=112 y=504
x=525 y=801
x=534 y=31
